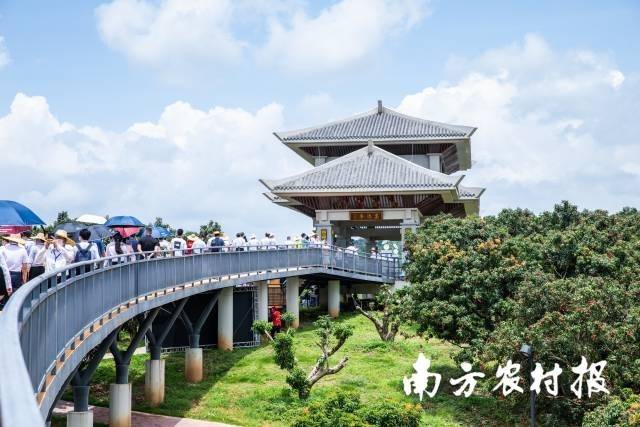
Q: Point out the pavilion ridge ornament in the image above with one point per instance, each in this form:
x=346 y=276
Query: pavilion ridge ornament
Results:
x=425 y=382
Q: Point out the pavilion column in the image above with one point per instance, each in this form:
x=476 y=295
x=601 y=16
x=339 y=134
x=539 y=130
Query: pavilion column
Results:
x=333 y=296
x=263 y=300
x=410 y=222
x=225 y=319
x=293 y=299
x=325 y=232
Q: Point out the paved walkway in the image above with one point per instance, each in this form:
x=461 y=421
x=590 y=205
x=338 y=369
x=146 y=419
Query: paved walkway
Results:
x=142 y=419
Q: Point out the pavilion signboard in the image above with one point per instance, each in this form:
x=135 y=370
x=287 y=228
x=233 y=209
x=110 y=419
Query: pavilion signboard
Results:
x=365 y=215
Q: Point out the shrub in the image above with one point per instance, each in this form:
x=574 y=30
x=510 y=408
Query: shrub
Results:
x=344 y=408
x=387 y=414
x=284 y=351
x=618 y=412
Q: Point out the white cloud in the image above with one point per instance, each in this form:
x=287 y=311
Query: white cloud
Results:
x=339 y=36
x=188 y=166
x=171 y=33
x=175 y=36
x=551 y=125
x=4 y=53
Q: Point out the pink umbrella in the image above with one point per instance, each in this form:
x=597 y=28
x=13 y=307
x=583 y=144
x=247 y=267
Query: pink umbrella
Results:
x=13 y=229
x=127 y=231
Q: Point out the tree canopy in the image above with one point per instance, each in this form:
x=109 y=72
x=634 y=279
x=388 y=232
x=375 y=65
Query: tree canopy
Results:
x=565 y=281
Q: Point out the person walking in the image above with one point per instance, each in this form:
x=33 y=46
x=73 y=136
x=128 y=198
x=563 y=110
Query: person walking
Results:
x=238 y=243
x=17 y=260
x=197 y=244
x=216 y=243
x=276 y=319
x=85 y=251
x=37 y=256
x=273 y=243
x=264 y=242
x=5 y=281
x=115 y=248
x=148 y=243
x=253 y=243
x=59 y=251
x=178 y=244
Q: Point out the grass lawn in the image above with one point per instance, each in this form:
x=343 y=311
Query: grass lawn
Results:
x=245 y=387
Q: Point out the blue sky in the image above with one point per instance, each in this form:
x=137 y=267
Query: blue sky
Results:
x=108 y=85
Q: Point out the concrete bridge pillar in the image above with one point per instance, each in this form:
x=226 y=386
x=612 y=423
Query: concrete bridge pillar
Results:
x=322 y=297
x=193 y=369
x=225 y=319
x=154 y=373
x=263 y=300
x=293 y=299
x=120 y=405
x=120 y=391
x=333 y=296
x=81 y=415
x=154 y=381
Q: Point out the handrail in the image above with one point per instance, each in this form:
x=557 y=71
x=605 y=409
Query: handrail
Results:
x=42 y=320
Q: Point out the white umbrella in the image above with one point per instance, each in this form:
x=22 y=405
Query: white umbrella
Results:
x=91 y=219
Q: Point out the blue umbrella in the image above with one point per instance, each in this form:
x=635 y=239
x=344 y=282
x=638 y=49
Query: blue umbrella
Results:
x=99 y=232
x=123 y=221
x=13 y=213
x=156 y=232
x=160 y=232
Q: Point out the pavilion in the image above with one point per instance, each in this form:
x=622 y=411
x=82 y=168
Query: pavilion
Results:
x=377 y=174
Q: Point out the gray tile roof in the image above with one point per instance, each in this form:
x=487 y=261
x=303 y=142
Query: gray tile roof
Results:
x=378 y=124
x=367 y=169
x=470 y=192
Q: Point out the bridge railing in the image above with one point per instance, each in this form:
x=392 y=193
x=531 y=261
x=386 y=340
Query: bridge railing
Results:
x=44 y=318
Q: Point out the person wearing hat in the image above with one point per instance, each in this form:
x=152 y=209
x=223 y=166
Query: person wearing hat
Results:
x=197 y=245
x=216 y=242
x=59 y=251
x=17 y=260
x=5 y=282
x=37 y=256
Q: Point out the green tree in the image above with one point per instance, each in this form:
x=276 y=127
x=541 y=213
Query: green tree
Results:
x=208 y=228
x=393 y=307
x=331 y=337
x=566 y=281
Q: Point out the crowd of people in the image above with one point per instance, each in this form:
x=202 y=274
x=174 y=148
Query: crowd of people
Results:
x=26 y=256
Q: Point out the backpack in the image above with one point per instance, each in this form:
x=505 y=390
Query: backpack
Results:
x=83 y=254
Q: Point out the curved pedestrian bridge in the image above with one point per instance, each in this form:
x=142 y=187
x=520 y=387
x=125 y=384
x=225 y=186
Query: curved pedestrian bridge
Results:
x=52 y=323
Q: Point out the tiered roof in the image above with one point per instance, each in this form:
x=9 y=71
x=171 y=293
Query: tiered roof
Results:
x=378 y=124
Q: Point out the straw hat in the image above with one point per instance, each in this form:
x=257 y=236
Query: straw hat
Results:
x=39 y=236
x=192 y=237
x=63 y=235
x=216 y=233
x=14 y=238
